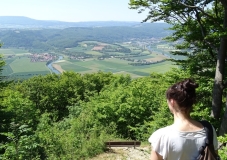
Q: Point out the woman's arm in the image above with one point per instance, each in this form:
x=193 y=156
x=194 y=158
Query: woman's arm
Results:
x=155 y=156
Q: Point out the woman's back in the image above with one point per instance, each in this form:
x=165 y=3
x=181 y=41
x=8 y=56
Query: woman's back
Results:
x=173 y=144
x=183 y=139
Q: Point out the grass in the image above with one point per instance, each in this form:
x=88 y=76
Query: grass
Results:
x=26 y=75
x=20 y=66
x=116 y=53
x=136 y=51
x=143 y=57
x=7 y=70
x=112 y=64
x=116 y=66
x=145 y=52
x=67 y=66
x=158 y=67
x=128 y=73
x=6 y=51
x=10 y=60
x=24 y=65
x=95 y=53
x=86 y=50
x=12 y=51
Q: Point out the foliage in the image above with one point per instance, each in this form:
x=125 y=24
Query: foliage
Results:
x=70 y=116
x=58 y=39
x=197 y=28
x=136 y=110
x=74 y=137
x=223 y=151
x=200 y=32
x=19 y=109
x=124 y=106
x=53 y=93
x=4 y=119
x=21 y=144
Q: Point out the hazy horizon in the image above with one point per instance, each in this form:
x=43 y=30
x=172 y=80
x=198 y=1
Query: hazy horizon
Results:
x=72 y=10
x=76 y=22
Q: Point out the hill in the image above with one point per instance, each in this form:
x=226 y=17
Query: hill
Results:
x=25 y=22
x=45 y=39
x=122 y=47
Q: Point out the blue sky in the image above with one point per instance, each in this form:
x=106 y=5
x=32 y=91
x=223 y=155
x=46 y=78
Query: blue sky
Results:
x=71 y=10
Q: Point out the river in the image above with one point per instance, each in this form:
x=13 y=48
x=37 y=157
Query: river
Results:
x=52 y=68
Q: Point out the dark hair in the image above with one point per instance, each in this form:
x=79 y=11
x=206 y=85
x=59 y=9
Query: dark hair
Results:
x=183 y=93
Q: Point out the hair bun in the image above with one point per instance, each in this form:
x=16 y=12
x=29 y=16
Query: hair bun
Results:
x=189 y=85
x=183 y=92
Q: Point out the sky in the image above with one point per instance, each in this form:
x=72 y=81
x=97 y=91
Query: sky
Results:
x=71 y=10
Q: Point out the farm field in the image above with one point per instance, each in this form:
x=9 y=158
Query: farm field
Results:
x=115 y=58
x=17 y=52
x=24 y=68
x=115 y=66
x=18 y=64
x=24 y=65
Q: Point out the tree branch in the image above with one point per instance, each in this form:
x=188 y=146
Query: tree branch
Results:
x=215 y=8
x=202 y=10
x=209 y=16
x=176 y=19
x=211 y=45
x=200 y=24
x=182 y=18
x=186 y=5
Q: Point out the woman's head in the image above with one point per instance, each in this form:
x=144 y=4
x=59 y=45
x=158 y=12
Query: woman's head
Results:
x=183 y=93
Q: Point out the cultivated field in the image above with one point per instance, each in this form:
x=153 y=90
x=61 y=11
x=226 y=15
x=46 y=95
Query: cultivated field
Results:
x=18 y=64
x=115 y=58
x=113 y=65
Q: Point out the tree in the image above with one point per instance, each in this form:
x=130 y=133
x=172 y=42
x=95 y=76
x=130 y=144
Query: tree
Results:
x=201 y=26
x=4 y=115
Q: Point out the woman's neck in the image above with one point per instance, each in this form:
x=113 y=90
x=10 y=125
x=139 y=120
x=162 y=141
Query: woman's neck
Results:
x=181 y=118
x=183 y=122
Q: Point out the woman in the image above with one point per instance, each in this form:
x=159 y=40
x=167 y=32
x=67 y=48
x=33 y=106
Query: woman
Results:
x=182 y=139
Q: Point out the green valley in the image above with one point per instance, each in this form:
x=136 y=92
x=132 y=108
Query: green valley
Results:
x=132 y=58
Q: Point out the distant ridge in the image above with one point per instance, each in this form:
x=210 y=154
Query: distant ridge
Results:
x=25 y=22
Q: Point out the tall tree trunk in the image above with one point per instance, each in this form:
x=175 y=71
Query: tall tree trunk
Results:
x=218 y=80
x=223 y=127
x=219 y=77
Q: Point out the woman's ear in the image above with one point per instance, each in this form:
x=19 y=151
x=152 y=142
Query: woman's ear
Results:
x=170 y=105
x=172 y=102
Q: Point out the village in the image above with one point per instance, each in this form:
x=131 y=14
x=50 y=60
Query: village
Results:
x=45 y=57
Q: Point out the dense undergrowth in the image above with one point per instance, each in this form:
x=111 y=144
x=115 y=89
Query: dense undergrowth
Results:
x=70 y=116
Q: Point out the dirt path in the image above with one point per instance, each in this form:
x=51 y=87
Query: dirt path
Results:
x=124 y=153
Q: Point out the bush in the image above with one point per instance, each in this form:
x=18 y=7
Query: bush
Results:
x=74 y=137
x=223 y=150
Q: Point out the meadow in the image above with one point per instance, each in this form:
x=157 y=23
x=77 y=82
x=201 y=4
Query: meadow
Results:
x=18 y=63
x=115 y=66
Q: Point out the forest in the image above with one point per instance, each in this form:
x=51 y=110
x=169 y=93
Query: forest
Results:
x=41 y=40
x=70 y=115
